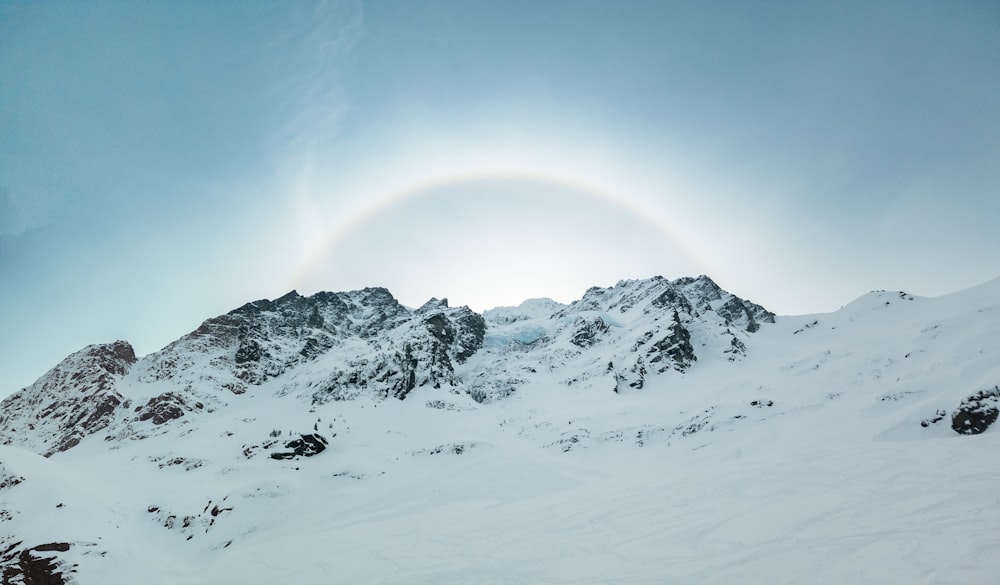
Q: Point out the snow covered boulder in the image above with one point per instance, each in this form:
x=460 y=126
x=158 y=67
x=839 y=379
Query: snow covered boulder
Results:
x=977 y=412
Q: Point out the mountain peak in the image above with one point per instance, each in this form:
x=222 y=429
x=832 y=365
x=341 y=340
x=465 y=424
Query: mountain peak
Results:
x=76 y=398
x=432 y=304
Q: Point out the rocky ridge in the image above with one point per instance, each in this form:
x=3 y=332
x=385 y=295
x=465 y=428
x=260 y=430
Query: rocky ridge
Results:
x=338 y=346
x=78 y=397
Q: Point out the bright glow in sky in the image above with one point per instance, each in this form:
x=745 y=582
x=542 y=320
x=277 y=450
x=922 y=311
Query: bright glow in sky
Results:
x=162 y=163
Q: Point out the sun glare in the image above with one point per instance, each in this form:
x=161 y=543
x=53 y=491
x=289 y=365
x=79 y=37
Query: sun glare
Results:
x=495 y=241
x=490 y=216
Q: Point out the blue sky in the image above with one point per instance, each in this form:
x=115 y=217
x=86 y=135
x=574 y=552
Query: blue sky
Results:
x=164 y=162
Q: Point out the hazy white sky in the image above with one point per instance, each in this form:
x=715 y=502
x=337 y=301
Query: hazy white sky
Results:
x=164 y=162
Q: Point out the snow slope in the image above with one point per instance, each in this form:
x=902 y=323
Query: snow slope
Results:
x=817 y=453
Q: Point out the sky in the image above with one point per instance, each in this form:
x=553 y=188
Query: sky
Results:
x=165 y=162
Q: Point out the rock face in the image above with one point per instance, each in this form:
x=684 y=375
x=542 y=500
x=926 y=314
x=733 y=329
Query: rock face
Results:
x=977 y=412
x=76 y=398
x=624 y=333
x=33 y=566
x=421 y=350
x=263 y=339
x=339 y=346
x=163 y=408
x=675 y=349
x=385 y=347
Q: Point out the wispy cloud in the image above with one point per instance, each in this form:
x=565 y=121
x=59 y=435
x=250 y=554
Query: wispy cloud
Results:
x=321 y=46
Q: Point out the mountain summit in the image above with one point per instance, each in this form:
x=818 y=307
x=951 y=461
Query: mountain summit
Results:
x=303 y=435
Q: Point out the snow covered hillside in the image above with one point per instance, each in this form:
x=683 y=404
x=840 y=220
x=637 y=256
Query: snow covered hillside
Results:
x=658 y=431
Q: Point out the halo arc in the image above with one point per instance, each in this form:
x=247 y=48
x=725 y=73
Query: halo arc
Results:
x=406 y=194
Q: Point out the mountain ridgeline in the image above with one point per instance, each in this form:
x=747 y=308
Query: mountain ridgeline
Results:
x=338 y=346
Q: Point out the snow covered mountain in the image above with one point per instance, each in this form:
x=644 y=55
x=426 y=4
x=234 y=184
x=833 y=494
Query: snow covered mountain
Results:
x=655 y=431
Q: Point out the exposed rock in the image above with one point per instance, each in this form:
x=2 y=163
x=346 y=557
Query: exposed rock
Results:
x=315 y=346
x=440 y=328
x=187 y=464
x=699 y=422
x=470 y=330
x=7 y=479
x=587 y=330
x=261 y=340
x=452 y=406
x=249 y=350
x=304 y=446
x=675 y=350
x=448 y=449
x=977 y=412
x=632 y=377
x=162 y=408
x=29 y=567
x=193 y=522
x=71 y=401
x=737 y=349
x=734 y=310
x=939 y=415
x=425 y=357
x=384 y=350
x=665 y=325
x=673 y=299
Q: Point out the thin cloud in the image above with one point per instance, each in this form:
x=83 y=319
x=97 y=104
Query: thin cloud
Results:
x=321 y=46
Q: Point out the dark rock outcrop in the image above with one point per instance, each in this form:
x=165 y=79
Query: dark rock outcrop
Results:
x=165 y=407
x=7 y=479
x=939 y=415
x=305 y=446
x=470 y=329
x=737 y=349
x=977 y=412
x=675 y=350
x=30 y=566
